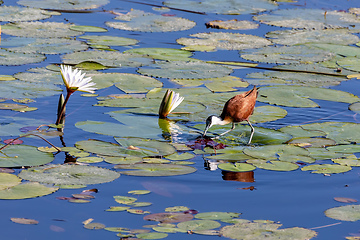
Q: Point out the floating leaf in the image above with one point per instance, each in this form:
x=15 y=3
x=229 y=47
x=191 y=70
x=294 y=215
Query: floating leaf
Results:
x=139 y=192
x=349 y=63
x=217 y=215
x=274 y=165
x=69 y=174
x=312 y=142
x=155 y=170
x=350 y=160
x=176 y=209
x=39 y=29
x=14 y=58
x=187 y=70
x=109 y=40
x=94 y=226
x=344 y=213
x=233 y=24
x=8 y=180
x=198 y=225
x=309 y=19
x=237 y=167
x=169 y=54
x=106 y=58
x=24 y=221
x=26 y=190
x=287 y=55
x=267 y=114
x=124 y=199
x=297 y=96
x=84 y=28
x=226 y=7
x=117 y=209
x=182 y=156
x=271 y=152
x=169 y=217
x=137 y=20
x=223 y=41
x=326 y=168
x=345 y=148
x=355 y=107
x=152 y=235
x=58 y=4
x=89 y=159
x=345 y=200
x=18 y=14
x=168 y=229
x=23 y=155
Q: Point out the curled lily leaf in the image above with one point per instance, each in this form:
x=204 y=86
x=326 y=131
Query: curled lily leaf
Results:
x=170 y=101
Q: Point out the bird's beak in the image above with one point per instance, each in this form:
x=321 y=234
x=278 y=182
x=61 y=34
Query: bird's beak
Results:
x=206 y=129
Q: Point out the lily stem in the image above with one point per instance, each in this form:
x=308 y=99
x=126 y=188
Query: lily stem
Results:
x=61 y=114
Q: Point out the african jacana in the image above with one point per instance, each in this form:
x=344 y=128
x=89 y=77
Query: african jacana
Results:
x=237 y=109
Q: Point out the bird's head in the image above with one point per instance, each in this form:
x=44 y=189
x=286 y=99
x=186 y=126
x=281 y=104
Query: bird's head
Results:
x=210 y=121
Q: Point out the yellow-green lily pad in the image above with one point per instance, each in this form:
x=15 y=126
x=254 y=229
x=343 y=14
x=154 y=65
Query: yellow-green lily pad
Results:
x=326 y=168
x=154 y=169
x=236 y=167
x=344 y=213
x=27 y=190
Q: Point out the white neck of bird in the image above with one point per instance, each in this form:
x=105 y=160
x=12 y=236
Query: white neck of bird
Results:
x=218 y=121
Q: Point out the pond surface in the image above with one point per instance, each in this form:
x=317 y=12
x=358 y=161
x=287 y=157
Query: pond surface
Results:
x=292 y=198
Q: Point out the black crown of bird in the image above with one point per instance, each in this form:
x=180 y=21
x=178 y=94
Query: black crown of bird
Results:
x=237 y=109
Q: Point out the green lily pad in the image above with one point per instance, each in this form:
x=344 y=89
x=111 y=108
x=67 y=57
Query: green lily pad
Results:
x=298 y=96
x=155 y=170
x=339 y=49
x=344 y=213
x=292 y=37
x=69 y=174
x=39 y=29
x=177 y=209
x=139 y=192
x=84 y=28
x=124 y=199
x=233 y=24
x=350 y=160
x=127 y=82
x=169 y=217
x=287 y=55
x=27 y=190
x=288 y=157
x=326 y=168
x=122 y=160
x=16 y=58
x=23 y=155
x=298 y=131
x=51 y=46
x=169 y=229
x=323 y=154
x=267 y=114
x=270 y=152
x=312 y=142
x=63 y=5
x=230 y=154
x=106 y=58
x=217 y=215
x=355 y=107
x=255 y=230
x=168 y=54
x=349 y=63
x=137 y=20
x=89 y=160
x=344 y=148
x=117 y=209
x=226 y=7
x=182 y=156
x=18 y=14
x=273 y=165
x=109 y=40
x=128 y=146
x=237 y=167
x=309 y=19
x=186 y=70
x=152 y=235
x=8 y=180
x=223 y=41
x=199 y=225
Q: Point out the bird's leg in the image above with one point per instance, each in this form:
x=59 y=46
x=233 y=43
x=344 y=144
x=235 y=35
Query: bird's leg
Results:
x=232 y=128
x=252 y=132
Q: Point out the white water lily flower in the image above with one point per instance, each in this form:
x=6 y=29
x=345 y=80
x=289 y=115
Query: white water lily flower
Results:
x=75 y=81
x=170 y=101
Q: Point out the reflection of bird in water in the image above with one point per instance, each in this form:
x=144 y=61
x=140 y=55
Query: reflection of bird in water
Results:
x=237 y=109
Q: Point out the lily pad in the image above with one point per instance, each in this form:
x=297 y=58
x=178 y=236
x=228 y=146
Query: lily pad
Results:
x=309 y=19
x=224 y=41
x=106 y=58
x=345 y=148
x=69 y=174
x=199 y=225
x=51 y=46
x=63 y=5
x=267 y=114
x=237 y=167
x=39 y=29
x=18 y=14
x=8 y=180
x=169 y=217
x=229 y=7
x=274 y=165
x=16 y=58
x=169 y=54
x=84 y=28
x=298 y=96
x=217 y=215
x=186 y=70
x=270 y=152
x=344 y=213
x=326 y=168
x=127 y=82
x=287 y=55
x=350 y=160
x=312 y=142
x=233 y=24
x=23 y=155
x=140 y=147
x=109 y=40
x=27 y=190
x=137 y=20
x=152 y=235
x=350 y=63
x=292 y=37
x=355 y=107
x=155 y=170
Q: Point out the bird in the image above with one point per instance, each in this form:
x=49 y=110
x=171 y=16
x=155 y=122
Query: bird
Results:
x=237 y=109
